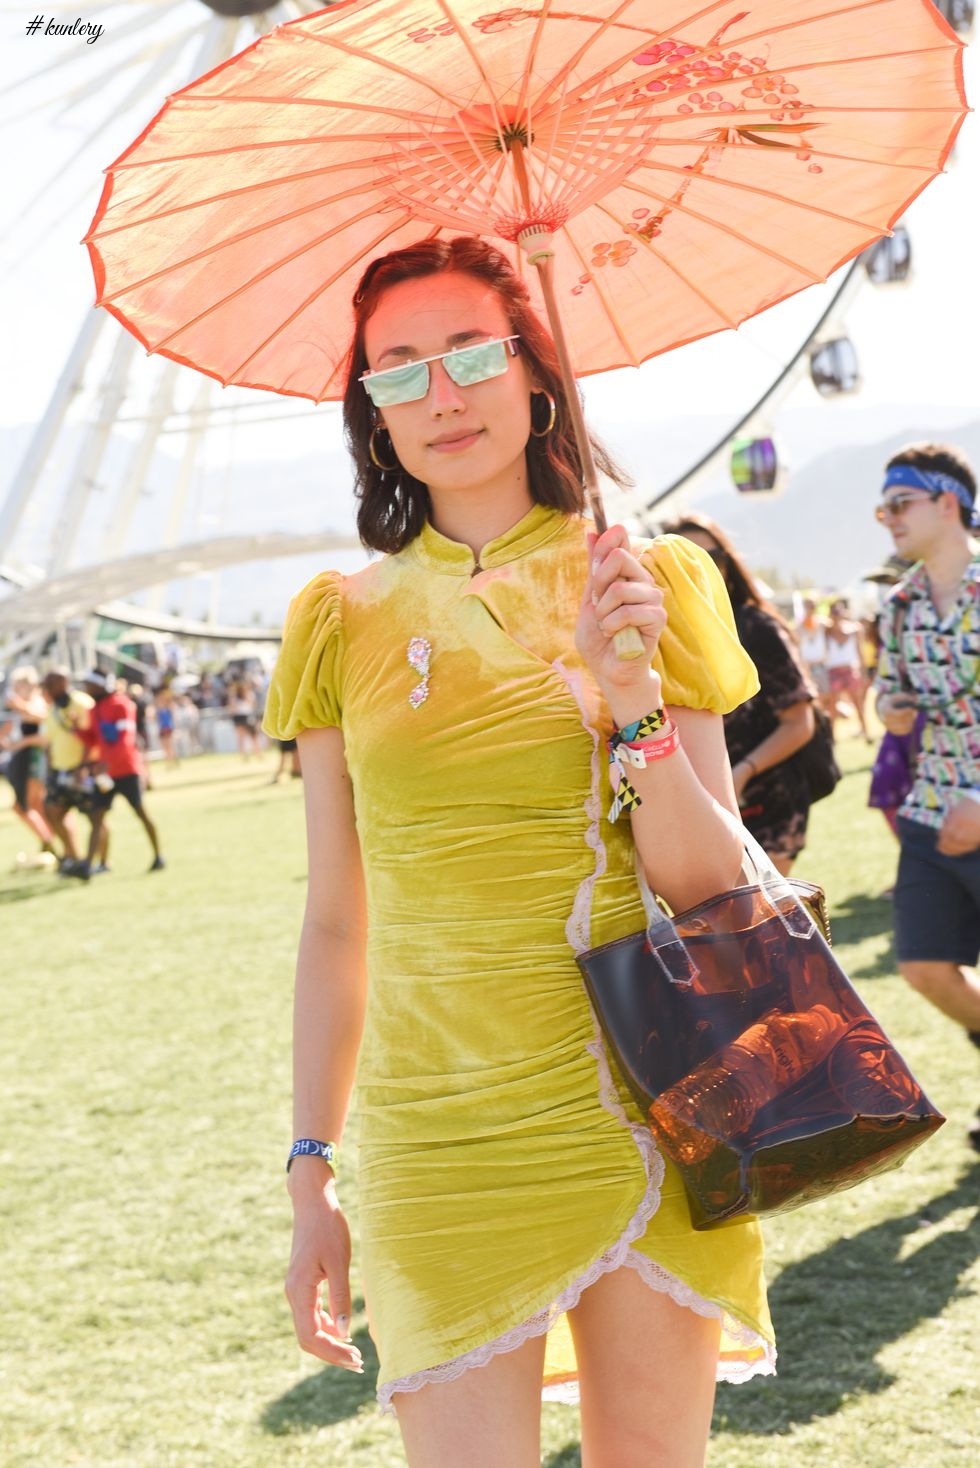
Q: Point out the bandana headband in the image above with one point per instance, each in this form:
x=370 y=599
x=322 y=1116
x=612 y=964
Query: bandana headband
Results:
x=933 y=482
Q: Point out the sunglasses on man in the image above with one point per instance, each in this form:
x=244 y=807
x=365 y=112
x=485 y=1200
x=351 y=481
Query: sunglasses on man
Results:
x=465 y=366
x=896 y=506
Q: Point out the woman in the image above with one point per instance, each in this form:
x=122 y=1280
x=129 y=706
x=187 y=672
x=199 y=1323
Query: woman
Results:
x=450 y=701
x=241 y=706
x=163 y=705
x=845 y=665
x=763 y=734
x=27 y=766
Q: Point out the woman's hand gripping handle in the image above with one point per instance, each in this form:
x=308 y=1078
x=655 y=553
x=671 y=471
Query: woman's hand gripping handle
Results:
x=620 y=597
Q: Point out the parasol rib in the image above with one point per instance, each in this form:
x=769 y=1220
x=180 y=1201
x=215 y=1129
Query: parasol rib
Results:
x=655 y=73
x=415 y=77
x=305 y=304
x=612 y=23
x=246 y=285
x=235 y=239
x=680 y=208
x=524 y=95
x=729 y=183
x=604 y=296
x=712 y=305
x=804 y=147
x=280 y=181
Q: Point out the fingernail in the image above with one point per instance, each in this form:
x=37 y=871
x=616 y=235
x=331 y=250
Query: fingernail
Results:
x=343 y=1326
x=595 y=566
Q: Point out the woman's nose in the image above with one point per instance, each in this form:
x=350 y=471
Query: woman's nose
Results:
x=444 y=395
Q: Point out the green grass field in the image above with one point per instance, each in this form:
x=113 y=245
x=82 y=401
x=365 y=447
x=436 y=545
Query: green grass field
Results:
x=144 y=1223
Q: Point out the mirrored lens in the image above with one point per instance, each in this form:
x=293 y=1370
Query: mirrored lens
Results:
x=398 y=385
x=474 y=364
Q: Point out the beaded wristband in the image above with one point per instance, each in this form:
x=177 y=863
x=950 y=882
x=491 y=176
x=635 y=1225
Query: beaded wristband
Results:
x=310 y=1147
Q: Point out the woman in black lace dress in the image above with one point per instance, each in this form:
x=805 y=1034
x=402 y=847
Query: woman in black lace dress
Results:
x=765 y=733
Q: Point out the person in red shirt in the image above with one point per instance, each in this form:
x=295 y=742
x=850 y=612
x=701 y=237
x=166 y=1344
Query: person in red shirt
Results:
x=111 y=737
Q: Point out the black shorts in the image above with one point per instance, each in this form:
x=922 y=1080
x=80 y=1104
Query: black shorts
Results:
x=937 y=900
x=70 y=789
x=23 y=766
x=286 y=745
x=130 y=787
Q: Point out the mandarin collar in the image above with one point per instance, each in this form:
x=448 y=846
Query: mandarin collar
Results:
x=451 y=558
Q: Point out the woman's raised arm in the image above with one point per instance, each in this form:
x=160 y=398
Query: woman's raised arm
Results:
x=328 y=1019
x=688 y=849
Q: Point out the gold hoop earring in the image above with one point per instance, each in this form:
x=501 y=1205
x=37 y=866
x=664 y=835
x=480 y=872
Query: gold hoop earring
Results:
x=552 y=415
x=372 y=453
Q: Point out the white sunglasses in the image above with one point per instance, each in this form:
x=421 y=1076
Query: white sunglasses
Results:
x=465 y=366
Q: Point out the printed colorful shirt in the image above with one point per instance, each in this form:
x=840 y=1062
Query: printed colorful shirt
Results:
x=938 y=662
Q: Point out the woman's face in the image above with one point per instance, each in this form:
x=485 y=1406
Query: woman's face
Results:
x=455 y=438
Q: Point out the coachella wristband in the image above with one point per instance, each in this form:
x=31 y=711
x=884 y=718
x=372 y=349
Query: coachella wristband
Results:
x=310 y=1147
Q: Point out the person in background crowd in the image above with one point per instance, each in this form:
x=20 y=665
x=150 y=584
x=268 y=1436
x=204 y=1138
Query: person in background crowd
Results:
x=812 y=636
x=70 y=788
x=141 y=702
x=845 y=665
x=111 y=739
x=27 y=765
x=930 y=665
x=241 y=707
x=764 y=733
x=186 y=722
x=287 y=748
x=164 y=705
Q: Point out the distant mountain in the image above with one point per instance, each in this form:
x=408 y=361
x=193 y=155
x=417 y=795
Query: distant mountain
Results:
x=819 y=531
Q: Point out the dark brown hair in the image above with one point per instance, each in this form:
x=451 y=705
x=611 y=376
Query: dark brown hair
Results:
x=741 y=584
x=393 y=504
x=944 y=458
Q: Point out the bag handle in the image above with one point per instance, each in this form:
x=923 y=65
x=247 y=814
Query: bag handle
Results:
x=756 y=869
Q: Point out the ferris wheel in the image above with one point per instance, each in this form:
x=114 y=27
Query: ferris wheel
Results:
x=117 y=427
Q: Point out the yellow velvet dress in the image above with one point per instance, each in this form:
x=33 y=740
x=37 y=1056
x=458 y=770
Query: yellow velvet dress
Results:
x=502 y=1165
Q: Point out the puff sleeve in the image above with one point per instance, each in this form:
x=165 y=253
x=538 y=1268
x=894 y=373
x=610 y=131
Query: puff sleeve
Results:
x=305 y=689
x=699 y=657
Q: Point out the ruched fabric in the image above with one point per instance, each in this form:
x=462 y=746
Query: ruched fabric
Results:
x=501 y=1166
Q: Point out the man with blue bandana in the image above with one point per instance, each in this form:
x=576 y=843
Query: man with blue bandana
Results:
x=930 y=661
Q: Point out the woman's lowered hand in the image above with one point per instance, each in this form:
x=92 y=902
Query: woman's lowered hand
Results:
x=320 y=1257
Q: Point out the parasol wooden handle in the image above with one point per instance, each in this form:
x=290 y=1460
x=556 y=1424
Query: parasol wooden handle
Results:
x=627 y=642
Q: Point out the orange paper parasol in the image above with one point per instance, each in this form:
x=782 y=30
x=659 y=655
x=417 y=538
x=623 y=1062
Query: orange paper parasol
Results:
x=671 y=169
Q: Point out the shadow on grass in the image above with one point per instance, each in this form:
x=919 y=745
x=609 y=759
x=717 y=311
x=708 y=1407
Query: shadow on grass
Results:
x=566 y=1457
x=322 y=1401
x=46 y=886
x=837 y=1309
x=857 y=918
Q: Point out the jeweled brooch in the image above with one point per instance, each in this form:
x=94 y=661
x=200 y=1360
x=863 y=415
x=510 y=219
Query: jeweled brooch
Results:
x=419 y=652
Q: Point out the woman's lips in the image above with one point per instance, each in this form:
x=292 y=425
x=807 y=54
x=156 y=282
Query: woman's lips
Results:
x=456 y=443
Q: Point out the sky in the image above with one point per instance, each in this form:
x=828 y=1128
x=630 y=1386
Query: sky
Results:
x=917 y=344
